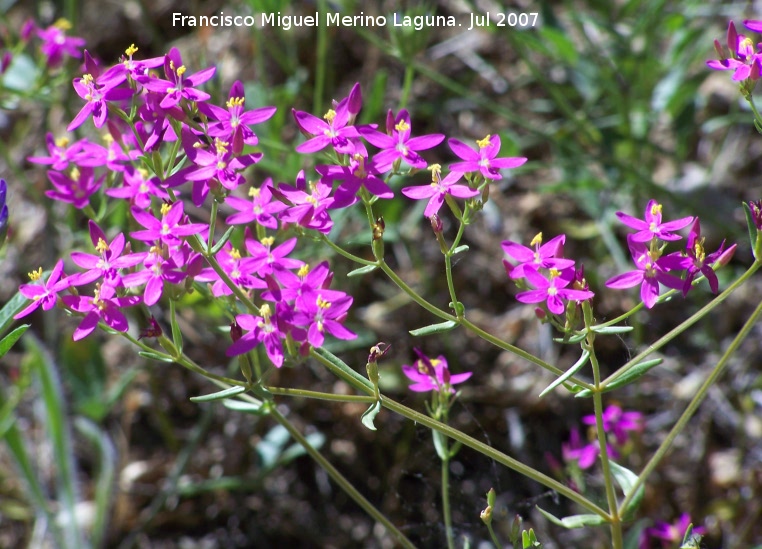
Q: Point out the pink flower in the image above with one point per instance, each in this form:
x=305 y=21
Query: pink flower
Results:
x=438 y=189
x=653 y=226
x=553 y=290
x=103 y=306
x=432 y=374
x=669 y=533
x=483 y=160
x=544 y=256
x=397 y=144
x=45 y=293
x=618 y=422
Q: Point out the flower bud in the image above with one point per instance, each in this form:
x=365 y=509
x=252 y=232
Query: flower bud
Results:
x=436 y=224
x=726 y=256
x=236 y=332
x=354 y=102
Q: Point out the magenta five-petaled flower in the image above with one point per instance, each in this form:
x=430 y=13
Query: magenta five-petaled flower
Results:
x=553 y=290
x=103 y=306
x=43 y=293
x=543 y=256
x=438 y=189
x=97 y=90
x=177 y=86
x=432 y=374
x=653 y=226
x=484 y=160
x=652 y=269
x=397 y=143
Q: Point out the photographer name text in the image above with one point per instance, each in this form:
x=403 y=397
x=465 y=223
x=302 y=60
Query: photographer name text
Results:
x=285 y=22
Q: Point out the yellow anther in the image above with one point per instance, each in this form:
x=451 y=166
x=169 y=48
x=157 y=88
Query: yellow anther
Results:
x=62 y=142
x=322 y=303
x=101 y=247
x=171 y=65
x=34 y=276
x=656 y=209
x=165 y=208
x=143 y=173
x=402 y=126
x=235 y=102
x=108 y=138
x=132 y=50
x=554 y=273
x=435 y=362
x=181 y=70
x=198 y=145
x=221 y=146
x=330 y=115
x=74 y=174
x=484 y=142
x=537 y=240
x=265 y=311
x=303 y=270
x=221 y=165
x=436 y=170
x=268 y=241
x=746 y=43
x=62 y=24
x=235 y=254
x=87 y=79
x=254 y=192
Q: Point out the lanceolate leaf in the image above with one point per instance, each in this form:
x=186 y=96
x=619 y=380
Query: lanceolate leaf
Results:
x=570 y=372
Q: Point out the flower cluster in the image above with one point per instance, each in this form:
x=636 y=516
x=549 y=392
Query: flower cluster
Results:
x=617 y=423
x=647 y=247
x=545 y=274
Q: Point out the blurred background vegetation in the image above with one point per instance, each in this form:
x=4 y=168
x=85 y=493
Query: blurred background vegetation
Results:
x=612 y=104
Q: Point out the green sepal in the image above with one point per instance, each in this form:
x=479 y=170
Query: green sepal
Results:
x=225 y=237
x=573 y=521
x=255 y=408
x=458 y=307
x=7 y=342
x=631 y=375
x=568 y=373
x=611 y=329
x=434 y=328
x=363 y=270
x=370 y=414
x=626 y=480
x=156 y=356
x=220 y=395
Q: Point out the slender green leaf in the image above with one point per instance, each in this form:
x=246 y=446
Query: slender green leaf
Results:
x=363 y=270
x=156 y=356
x=14 y=305
x=434 y=328
x=7 y=342
x=572 y=339
x=60 y=436
x=612 y=329
x=750 y=225
x=461 y=248
x=573 y=521
x=626 y=480
x=256 y=409
x=220 y=395
x=631 y=375
x=370 y=414
x=104 y=480
x=341 y=365
x=568 y=373
x=225 y=237
x=440 y=445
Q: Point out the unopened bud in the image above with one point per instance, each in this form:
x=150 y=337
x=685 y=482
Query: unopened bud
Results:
x=436 y=224
x=153 y=330
x=236 y=332
x=726 y=256
x=486 y=515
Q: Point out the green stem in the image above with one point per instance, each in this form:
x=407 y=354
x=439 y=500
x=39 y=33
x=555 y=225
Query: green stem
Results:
x=692 y=406
x=446 y=497
x=339 y=479
x=615 y=524
x=287 y=391
x=669 y=336
x=226 y=279
x=341 y=251
x=362 y=384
